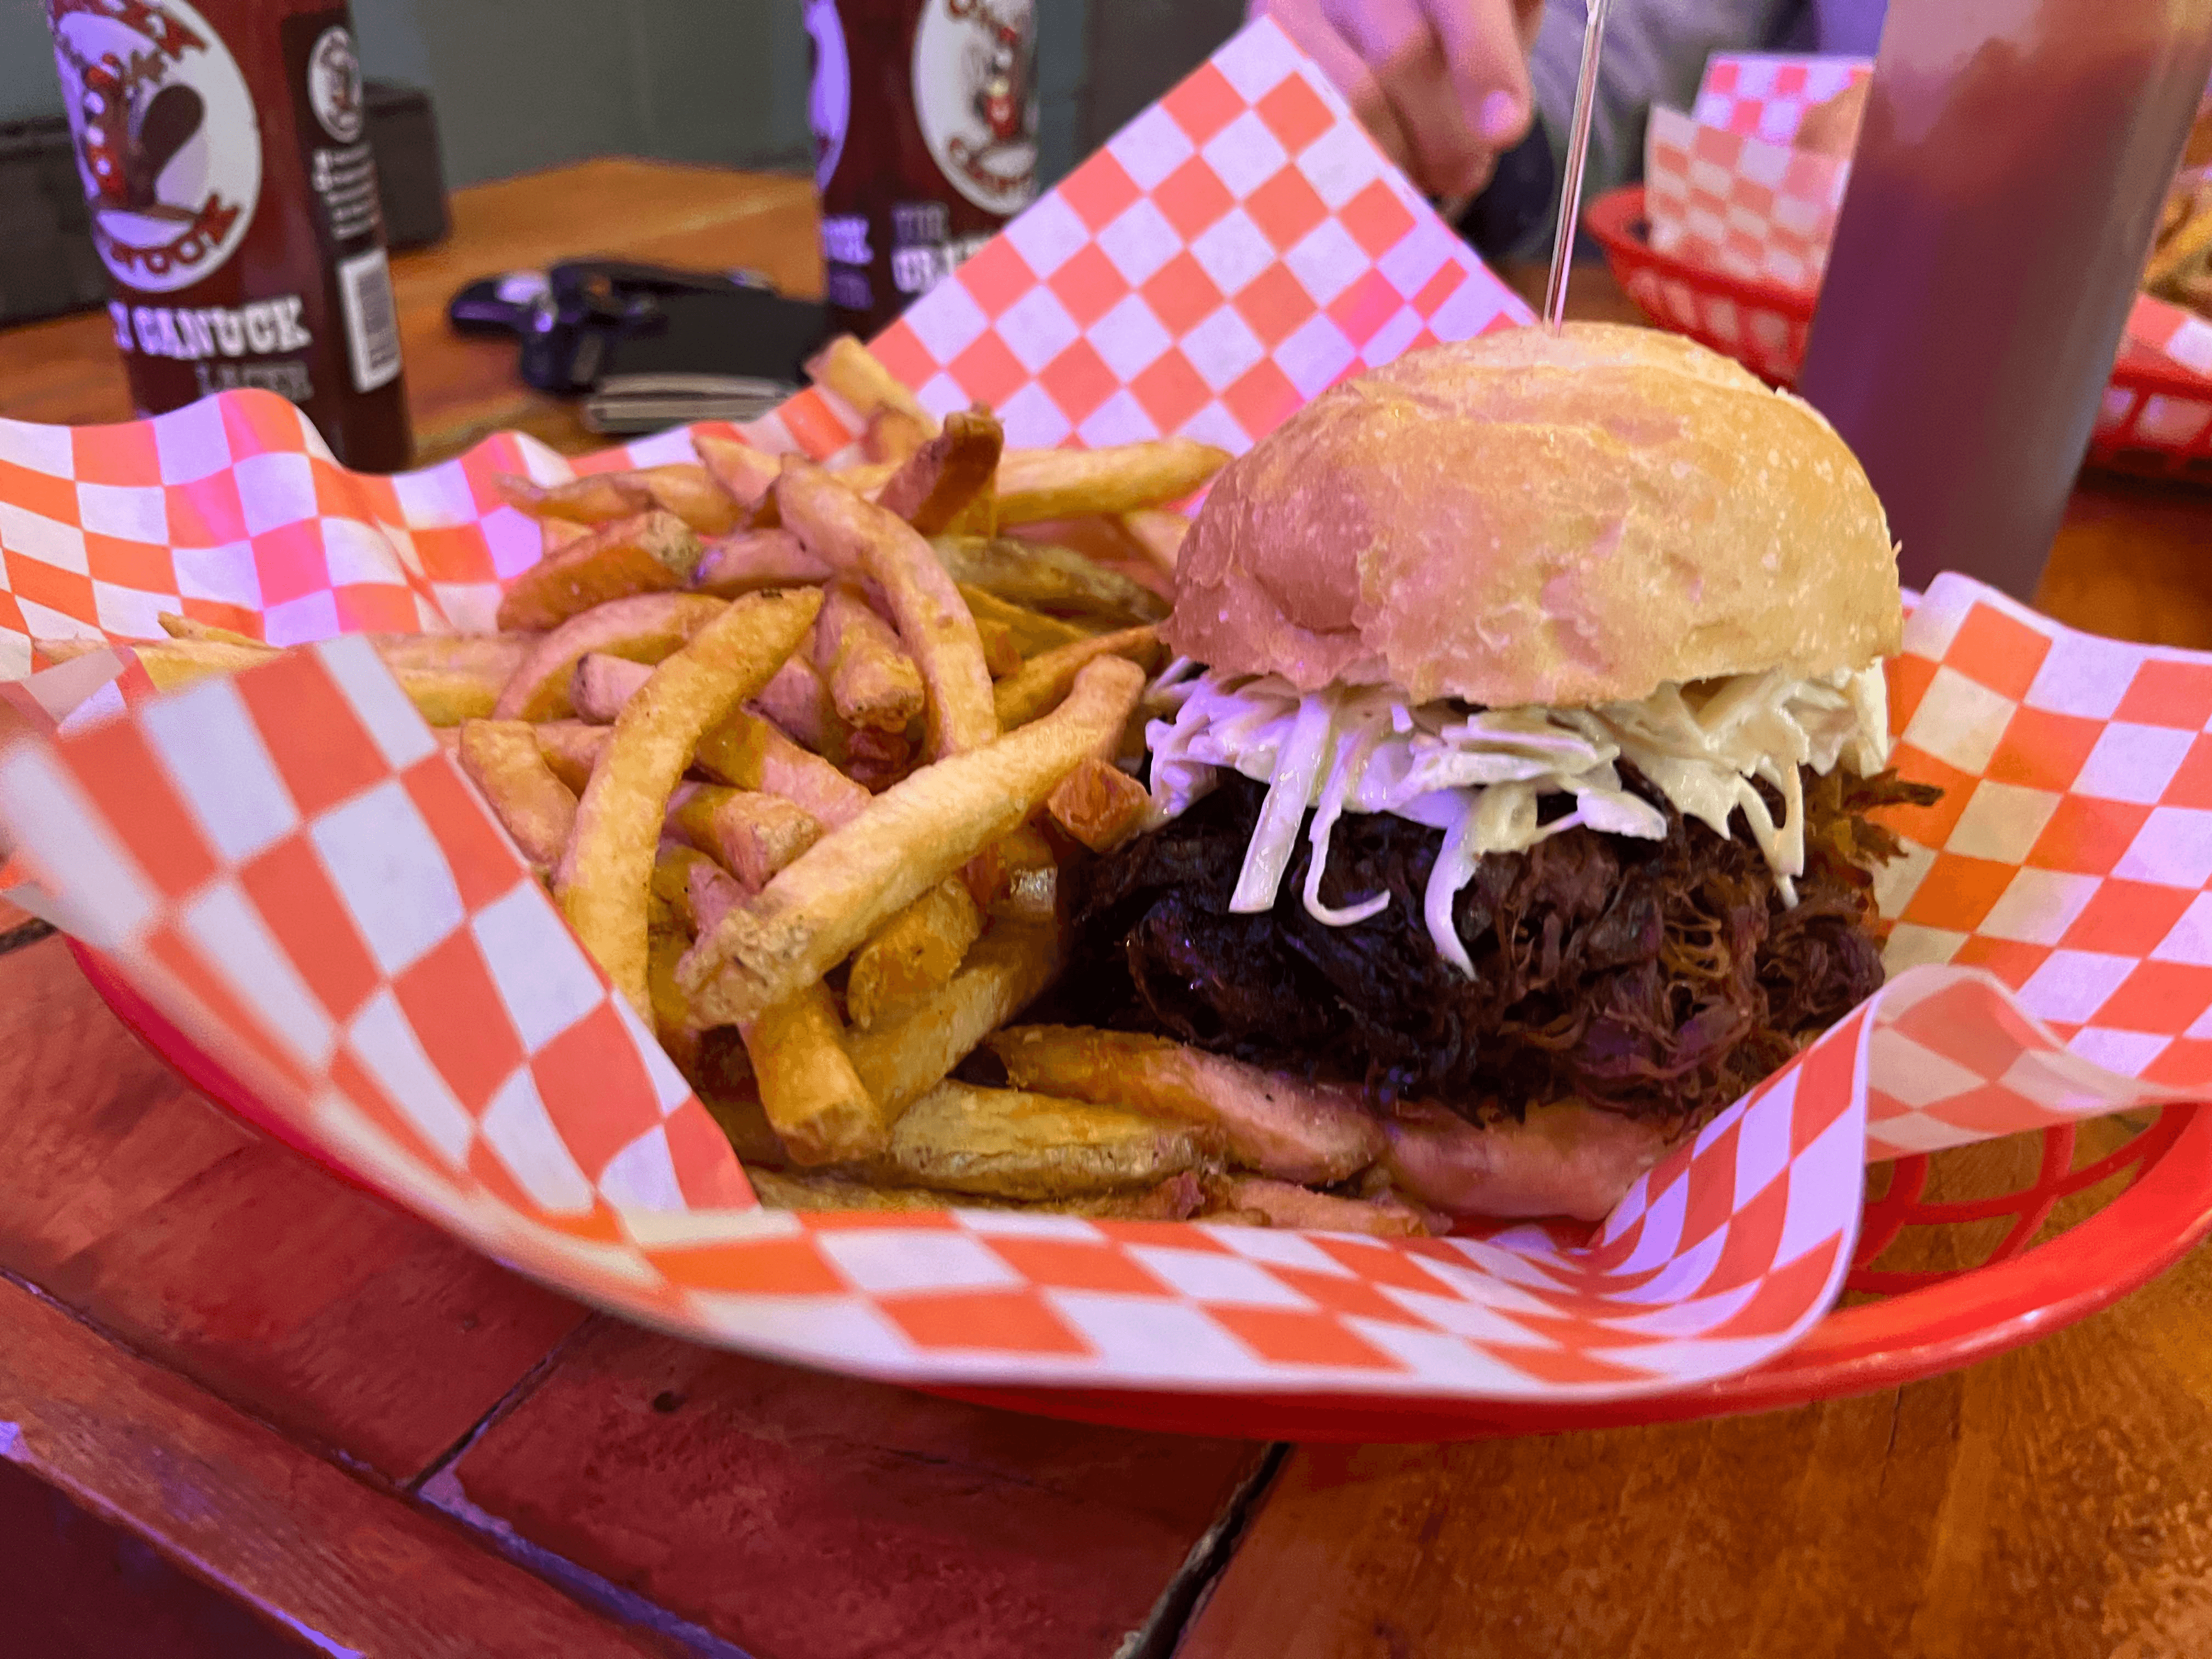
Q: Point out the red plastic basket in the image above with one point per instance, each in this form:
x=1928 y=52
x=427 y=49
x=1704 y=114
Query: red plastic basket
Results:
x=2156 y=418
x=1898 y=1323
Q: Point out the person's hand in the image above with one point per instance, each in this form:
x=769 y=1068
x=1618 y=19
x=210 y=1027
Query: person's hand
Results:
x=1443 y=85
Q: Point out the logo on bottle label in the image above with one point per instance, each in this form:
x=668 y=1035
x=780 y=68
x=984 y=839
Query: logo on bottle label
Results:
x=167 y=143
x=830 y=101
x=974 y=96
x=334 y=84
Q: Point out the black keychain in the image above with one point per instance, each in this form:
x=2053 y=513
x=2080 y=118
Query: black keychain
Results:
x=647 y=346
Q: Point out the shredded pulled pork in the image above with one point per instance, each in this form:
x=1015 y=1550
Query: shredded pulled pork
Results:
x=1657 y=978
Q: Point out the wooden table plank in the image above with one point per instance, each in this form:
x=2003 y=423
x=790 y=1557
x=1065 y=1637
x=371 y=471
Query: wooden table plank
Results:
x=348 y=1569
x=807 y=1517
x=458 y=390
x=2051 y=1504
x=211 y=1248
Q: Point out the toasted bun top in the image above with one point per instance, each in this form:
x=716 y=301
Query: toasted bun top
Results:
x=1526 y=518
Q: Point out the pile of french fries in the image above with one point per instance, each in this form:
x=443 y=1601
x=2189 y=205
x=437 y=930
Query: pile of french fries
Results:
x=802 y=754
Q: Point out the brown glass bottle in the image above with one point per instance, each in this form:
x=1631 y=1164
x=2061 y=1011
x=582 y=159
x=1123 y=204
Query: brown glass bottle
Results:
x=222 y=148
x=924 y=133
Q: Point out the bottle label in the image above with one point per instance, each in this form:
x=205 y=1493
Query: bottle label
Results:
x=324 y=71
x=974 y=97
x=167 y=143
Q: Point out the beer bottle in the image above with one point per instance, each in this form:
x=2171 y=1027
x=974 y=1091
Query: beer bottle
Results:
x=925 y=119
x=224 y=155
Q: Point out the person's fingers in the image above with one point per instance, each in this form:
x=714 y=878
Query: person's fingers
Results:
x=1488 y=67
x=1400 y=47
x=1303 y=21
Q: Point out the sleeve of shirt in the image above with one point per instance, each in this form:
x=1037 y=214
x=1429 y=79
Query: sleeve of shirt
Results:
x=1654 y=52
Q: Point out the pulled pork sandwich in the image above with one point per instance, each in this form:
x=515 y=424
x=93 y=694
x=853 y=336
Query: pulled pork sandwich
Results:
x=1524 y=786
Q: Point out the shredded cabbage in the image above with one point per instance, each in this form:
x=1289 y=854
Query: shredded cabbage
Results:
x=1478 y=774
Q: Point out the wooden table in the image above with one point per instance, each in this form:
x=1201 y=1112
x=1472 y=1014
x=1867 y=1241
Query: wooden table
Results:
x=244 y=1409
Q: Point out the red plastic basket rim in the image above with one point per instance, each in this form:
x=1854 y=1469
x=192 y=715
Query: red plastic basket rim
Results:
x=1617 y=221
x=1922 y=1333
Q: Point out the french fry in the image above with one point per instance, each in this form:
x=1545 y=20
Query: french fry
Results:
x=185 y=628
x=694 y=494
x=747 y=752
x=1000 y=654
x=854 y=373
x=1043 y=681
x=1177 y=1199
x=601 y=884
x=1008 y=1143
x=604 y=683
x=1100 y=805
x=670 y=892
x=945 y=476
x=1022 y=881
x=799 y=704
x=893 y=435
x=1282 y=1204
x=913 y=953
x=495 y=655
x=447 y=697
x=861 y=538
x=1158 y=532
x=571 y=748
x=671 y=1015
x=596 y=498
x=754 y=559
x=743 y=472
x=867 y=479
x=644 y=628
x=168 y=663
x=1045 y=577
x=685 y=489
x=647 y=554
x=907 y=1056
x=650 y=552
x=503 y=759
x=554 y=534
x=1295 y=1131
x=443 y=696
x=1068 y=484
x=754 y=835
x=1032 y=632
x=872 y=681
x=911 y=838
x=813 y=1099
x=735 y=1106
x=877 y=760
x=712 y=892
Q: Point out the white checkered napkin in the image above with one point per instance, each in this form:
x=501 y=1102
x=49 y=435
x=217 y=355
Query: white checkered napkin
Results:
x=1765 y=94
x=295 y=872
x=287 y=865
x=2069 y=858
x=1739 y=204
x=1233 y=250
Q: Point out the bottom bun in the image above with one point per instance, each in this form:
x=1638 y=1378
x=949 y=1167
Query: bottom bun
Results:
x=1566 y=1159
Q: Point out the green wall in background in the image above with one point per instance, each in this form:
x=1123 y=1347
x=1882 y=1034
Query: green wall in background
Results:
x=520 y=85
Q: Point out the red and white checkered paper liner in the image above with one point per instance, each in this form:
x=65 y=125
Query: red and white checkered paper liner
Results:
x=286 y=864
x=1723 y=186
x=1765 y=95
